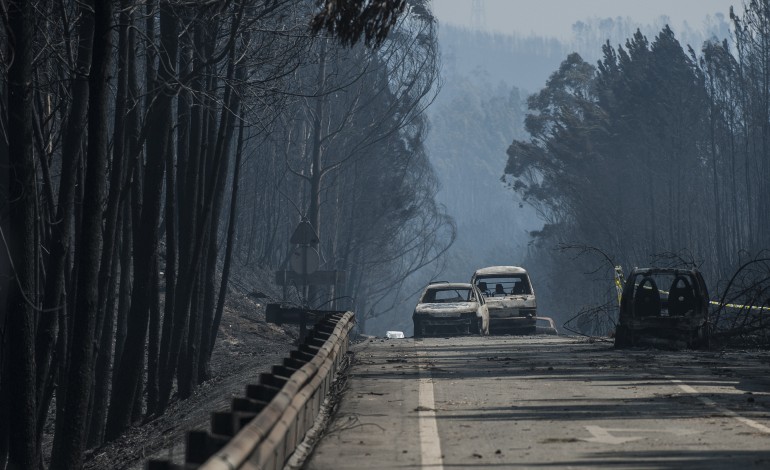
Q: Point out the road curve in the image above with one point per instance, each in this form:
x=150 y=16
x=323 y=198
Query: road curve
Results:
x=547 y=402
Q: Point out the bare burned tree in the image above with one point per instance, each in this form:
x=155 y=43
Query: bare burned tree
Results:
x=596 y=320
x=129 y=371
x=118 y=135
x=744 y=305
x=70 y=440
x=18 y=381
x=376 y=216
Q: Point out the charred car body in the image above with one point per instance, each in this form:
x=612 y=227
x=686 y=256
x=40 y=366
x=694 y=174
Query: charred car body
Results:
x=546 y=326
x=671 y=319
x=510 y=299
x=450 y=308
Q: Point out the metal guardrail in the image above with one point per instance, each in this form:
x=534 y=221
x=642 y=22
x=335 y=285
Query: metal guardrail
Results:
x=265 y=426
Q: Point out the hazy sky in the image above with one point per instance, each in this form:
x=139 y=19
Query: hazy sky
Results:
x=555 y=17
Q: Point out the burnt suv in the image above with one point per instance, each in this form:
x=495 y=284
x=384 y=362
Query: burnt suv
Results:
x=510 y=299
x=663 y=307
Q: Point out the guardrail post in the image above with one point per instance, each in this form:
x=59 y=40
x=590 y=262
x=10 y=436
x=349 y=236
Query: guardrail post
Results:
x=265 y=426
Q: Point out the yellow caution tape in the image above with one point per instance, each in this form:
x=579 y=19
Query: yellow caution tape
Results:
x=714 y=302
x=620 y=281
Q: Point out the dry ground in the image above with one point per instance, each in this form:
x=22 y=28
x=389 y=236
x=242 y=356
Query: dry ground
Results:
x=246 y=346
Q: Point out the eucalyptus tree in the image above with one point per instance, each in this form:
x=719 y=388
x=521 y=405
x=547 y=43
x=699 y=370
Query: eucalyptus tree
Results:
x=550 y=168
x=118 y=127
x=752 y=43
x=732 y=183
x=158 y=121
x=615 y=158
x=70 y=439
x=365 y=113
x=18 y=384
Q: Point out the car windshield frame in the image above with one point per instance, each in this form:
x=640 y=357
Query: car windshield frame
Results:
x=512 y=284
x=663 y=279
x=427 y=298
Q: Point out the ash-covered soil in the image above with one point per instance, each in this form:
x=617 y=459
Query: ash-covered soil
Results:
x=246 y=346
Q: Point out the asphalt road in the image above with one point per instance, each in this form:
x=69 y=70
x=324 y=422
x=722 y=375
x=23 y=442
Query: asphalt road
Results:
x=547 y=402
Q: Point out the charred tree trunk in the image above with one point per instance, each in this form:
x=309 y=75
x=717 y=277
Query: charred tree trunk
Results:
x=4 y=376
x=106 y=322
x=124 y=288
x=133 y=174
x=188 y=358
x=5 y=276
x=129 y=372
x=175 y=197
x=69 y=451
x=187 y=203
x=191 y=319
x=222 y=158
x=187 y=278
x=61 y=232
x=23 y=452
x=230 y=242
x=153 y=346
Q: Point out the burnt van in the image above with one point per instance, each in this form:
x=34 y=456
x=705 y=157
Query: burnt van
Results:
x=510 y=299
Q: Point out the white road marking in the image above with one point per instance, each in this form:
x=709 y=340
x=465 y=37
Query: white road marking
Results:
x=430 y=443
x=605 y=436
x=709 y=402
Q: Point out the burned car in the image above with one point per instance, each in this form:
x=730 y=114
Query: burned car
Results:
x=450 y=308
x=510 y=299
x=672 y=319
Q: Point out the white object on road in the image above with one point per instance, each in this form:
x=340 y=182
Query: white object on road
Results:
x=394 y=334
